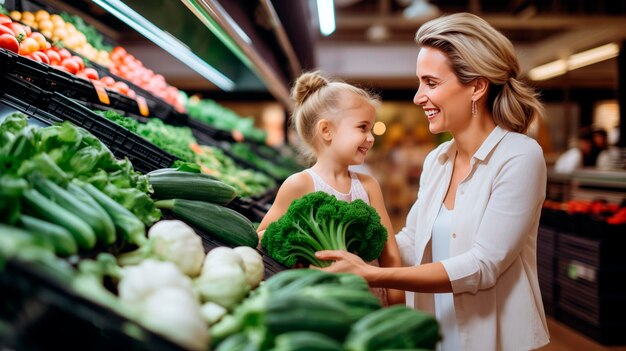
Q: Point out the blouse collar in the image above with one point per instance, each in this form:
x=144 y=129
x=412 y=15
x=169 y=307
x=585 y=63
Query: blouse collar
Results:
x=485 y=148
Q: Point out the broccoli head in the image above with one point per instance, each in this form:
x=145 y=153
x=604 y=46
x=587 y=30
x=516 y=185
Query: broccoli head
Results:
x=318 y=221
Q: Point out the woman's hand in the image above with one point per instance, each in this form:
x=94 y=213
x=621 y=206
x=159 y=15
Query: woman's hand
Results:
x=345 y=262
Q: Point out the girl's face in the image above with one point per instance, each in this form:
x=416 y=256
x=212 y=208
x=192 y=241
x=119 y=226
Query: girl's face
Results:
x=352 y=130
x=446 y=102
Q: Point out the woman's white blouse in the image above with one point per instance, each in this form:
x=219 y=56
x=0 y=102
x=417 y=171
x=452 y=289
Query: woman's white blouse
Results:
x=493 y=263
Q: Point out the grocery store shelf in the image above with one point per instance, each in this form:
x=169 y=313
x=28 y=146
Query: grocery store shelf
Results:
x=222 y=25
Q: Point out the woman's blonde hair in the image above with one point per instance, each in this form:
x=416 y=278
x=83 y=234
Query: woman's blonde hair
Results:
x=476 y=49
x=317 y=97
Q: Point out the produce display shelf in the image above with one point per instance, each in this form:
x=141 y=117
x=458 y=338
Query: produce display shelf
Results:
x=38 y=312
x=51 y=79
x=52 y=107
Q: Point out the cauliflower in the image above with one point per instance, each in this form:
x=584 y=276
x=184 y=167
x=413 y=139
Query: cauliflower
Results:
x=138 y=282
x=170 y=240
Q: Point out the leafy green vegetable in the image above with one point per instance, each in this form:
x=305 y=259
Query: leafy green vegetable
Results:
x=318 y=221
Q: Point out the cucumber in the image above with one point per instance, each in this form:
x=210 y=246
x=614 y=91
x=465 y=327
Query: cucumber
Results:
x=396 y=327
x=222 y=223
x=306 y=341
x=45 y=208
x=302 y=313
x=191 y=186
x=62 y=240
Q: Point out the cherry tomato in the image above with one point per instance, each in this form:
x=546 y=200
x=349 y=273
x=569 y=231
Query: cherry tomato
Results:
x=44 y=58
x=9 y=42
x=71 y=65
x=91 y=73
x=54 y=57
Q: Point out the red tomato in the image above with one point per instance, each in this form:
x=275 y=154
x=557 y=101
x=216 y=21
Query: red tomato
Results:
x=80 y=62
x=91 y=73
x=40 y=39
x=28 y=46
x=54 y=57
x=118 y=50
x=61 y=68
x=5 y=19
x=16 y=28
x=121 y=87
x=71 y=65
x=64 y=53
x=108 y=81
x=34 y=57
x=9 y=42
x=82 y=75
x=6 y=30
x=44 y=58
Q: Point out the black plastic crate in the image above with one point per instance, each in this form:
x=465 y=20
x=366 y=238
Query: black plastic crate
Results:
x=40 y=313
x=157 y=107
x=53 y=107
x=144 y=155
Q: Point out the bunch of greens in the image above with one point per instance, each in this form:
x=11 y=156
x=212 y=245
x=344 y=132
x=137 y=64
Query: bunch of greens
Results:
x=63 y=152
x=180 y=142
x=318 y=221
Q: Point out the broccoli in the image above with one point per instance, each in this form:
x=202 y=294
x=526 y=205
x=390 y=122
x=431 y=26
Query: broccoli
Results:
x=318 y=221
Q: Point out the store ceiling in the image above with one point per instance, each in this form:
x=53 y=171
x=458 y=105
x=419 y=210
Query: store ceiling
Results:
x=373 y=41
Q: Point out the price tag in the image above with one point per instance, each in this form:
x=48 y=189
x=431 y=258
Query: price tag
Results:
x=101 y=91
x=143 y=105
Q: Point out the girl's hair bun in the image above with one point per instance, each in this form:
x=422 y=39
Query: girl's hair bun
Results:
x=307 y=84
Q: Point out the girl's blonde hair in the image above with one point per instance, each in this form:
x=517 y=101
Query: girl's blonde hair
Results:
x=317 y=97
x=476 y=49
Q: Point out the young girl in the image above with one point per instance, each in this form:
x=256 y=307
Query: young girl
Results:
x=334 y=121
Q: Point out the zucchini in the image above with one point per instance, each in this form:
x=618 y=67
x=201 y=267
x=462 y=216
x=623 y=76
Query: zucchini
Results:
x=109 y=236
x=306 y=341
x=61 y=239
x=221 y=223
x=191 y=186
x=71 y=203
x=46 y=209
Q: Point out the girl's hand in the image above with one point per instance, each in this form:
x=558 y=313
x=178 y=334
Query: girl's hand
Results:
x=345 y=262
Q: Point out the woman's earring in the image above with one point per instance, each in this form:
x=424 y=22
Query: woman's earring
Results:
x=473 y=108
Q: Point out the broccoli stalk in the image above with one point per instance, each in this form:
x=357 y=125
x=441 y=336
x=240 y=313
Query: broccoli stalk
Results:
x=318 y=221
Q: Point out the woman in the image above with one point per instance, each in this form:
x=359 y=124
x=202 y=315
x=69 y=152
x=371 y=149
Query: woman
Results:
x=470 y=238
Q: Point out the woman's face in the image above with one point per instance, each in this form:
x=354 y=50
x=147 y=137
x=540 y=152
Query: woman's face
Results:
x=446 y=102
